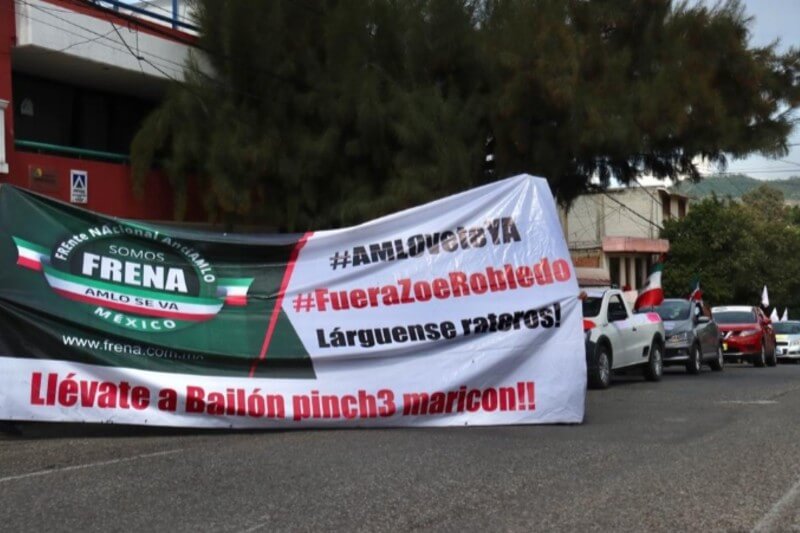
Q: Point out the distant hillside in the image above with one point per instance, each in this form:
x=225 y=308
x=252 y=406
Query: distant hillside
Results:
x=735 y=185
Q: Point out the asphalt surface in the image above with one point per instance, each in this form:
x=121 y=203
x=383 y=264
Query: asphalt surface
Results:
x=715 y=452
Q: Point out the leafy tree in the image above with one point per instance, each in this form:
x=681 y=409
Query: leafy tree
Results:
x=615 y=88
x=735 y=249
x=766 y=202
x=305 y=114
x=318 y=114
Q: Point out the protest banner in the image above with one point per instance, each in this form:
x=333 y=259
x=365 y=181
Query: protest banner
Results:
x=463 y=311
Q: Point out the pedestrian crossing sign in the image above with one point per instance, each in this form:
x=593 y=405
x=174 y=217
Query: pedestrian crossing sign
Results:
x=79 y=186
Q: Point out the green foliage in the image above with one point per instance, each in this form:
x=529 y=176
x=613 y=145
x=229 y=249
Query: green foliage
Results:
x=305 y=114
x=732 y=186
x=735 y=249
x=766 y=202
x=735 y=185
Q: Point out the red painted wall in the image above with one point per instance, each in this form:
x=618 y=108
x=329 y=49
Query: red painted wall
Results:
x=110 y=185
x=8 y=38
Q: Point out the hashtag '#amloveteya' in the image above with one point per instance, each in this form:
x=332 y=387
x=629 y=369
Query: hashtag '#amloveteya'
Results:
x=340 y=260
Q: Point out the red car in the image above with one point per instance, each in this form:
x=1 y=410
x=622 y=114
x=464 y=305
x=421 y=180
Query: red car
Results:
x=746 y=333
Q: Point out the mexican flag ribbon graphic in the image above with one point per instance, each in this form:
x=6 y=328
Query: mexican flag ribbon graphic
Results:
x=31 y=255
x=140 y=301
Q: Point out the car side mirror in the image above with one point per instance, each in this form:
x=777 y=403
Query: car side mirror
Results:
x=703 y=320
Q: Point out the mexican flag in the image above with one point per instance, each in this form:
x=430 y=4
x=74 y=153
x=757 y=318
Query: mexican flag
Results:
x=697 y=292
x=651 y=294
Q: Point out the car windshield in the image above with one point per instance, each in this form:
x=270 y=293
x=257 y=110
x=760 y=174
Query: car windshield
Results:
x=673 y=310
x=787 y=328
x=591 y=306
x=735 y=317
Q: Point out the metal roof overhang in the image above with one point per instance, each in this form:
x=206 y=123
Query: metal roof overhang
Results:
x=592 y=277
x=635 y=245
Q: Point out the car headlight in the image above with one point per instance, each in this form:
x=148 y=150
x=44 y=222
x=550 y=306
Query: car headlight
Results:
x=678 y=337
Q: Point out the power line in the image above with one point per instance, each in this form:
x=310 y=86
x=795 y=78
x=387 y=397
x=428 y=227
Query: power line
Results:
x=170 y=36
x=140 y=56
x=193 y=43
x=148 y=3
x=86 y=41
x=754 y=171
x=648 y=194
x=99 y=36
x=631 y=210
x=114 y=6
x=51 y=12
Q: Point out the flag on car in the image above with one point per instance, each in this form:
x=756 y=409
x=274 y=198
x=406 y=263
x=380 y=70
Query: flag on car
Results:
x=652 y=294
x=764 y=298
x=774 y=315
x=785 y=315
x=697 y=293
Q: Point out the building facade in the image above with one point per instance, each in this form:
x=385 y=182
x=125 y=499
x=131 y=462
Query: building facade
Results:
x=613 y=236
x=77 y=77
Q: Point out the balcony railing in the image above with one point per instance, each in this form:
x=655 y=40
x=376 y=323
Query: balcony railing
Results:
x=153 y=11
x=70 y=151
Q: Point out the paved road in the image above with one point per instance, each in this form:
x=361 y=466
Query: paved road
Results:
x=709 y=452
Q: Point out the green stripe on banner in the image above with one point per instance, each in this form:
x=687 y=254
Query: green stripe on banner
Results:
x=235 y=282
x=22 y=243
x=138 y=225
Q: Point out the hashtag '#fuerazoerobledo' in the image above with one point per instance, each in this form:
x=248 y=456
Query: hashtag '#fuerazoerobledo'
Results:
x=303 y=302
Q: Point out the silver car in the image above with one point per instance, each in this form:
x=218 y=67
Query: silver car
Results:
x=693 y=337
x=787 y=337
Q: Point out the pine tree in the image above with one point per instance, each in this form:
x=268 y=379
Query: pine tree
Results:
x=303 y=115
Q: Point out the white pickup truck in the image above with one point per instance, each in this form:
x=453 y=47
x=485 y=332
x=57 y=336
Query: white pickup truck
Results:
x=617 y=338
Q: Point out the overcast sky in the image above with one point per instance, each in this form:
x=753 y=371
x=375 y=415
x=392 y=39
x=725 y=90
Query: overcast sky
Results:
x=774 y=19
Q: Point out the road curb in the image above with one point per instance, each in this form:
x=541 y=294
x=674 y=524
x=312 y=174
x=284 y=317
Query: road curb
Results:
x=9 y=430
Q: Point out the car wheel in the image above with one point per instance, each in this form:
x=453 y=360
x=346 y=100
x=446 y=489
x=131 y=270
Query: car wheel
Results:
x=719 y=362
x=655 y=364
x=695 y=361
x=772 y=358
x=600 y=371
x=761 y=359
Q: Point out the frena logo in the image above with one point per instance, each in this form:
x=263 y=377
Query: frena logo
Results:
x=134 y=277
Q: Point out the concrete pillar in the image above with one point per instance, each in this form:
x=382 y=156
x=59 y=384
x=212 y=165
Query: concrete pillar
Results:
x=3 y=159
x=644 y=269
x=623 y=271
x=8 y=39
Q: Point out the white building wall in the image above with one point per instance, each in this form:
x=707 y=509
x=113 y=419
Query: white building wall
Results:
x=51 y=27
x=632 y=219
x=584 y=221
x=619 y=214
x=3 y=160
x=635 y=213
